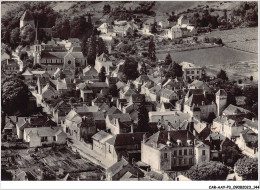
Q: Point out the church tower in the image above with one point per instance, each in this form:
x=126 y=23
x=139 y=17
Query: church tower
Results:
x=37 y=49
x=221 y=101
x=26 y=19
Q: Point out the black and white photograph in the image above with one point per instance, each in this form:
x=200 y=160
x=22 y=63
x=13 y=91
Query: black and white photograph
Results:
x=129 y=91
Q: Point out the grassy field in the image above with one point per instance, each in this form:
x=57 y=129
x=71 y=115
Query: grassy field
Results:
x=245 y=39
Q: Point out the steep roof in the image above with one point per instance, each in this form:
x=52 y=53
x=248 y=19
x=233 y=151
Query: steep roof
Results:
x=27 y=16
x=197 y=99
x=221 y=92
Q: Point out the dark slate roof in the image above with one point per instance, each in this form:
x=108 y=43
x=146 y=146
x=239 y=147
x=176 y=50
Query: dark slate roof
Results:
x=122 y=116
x=197 y=99
x=194 y=91
x=161 y=137
x=113 y=110
x=138 y=97
x=54 y=55
x=27 y=16
x=249 y=136
x=126 y=139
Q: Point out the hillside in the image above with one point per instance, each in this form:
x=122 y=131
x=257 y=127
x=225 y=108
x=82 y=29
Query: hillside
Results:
x=160 y=7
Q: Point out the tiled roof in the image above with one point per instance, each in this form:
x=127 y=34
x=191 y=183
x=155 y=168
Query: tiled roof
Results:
x=43 y=131
x=126 y=139
x=102 y=136
x=231 y=110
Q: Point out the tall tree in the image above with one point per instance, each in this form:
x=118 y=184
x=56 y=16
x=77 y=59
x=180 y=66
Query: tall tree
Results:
x=84 y=47
x=151 y=50
x=154 y=27
x=102 y=74
x=14 y=95
x=143 y=118
x=174 y=70
x=168 y=59
x=92 y=51
x=106 y=9
x=15 y=37
x=222 y=75
x=101 y=47
x=130 y=68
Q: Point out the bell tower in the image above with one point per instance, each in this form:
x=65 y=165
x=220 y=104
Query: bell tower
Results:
x=37 y=48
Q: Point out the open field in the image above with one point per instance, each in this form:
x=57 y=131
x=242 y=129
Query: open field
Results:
x=245 y=39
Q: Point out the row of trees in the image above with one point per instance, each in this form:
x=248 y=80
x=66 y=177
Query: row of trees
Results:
x=245 y=167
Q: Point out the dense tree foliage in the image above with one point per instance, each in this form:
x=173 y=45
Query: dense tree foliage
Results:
x=168 y=59
x=6 y=176
x=222 y=75
x=15 y=37
x=92 y=51
x=61 y=28
x=208 y=171
x=143 y=118
x=247 y=168
x=106 y=9
x=41 y=11
x=151 y=50
x=143 y=69
x=27 y=35
x=102 y=75
x=113 y=91
x=101 y=47
x=174 y=70
x=251 y=94
x=130 y=68
x=230 y=155
x=14 y=95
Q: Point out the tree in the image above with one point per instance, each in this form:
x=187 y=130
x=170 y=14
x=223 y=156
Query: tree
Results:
x=14 y=95
x=80 y=28
x=143 y=69
x=208 y=171
x=23 y=55
x=168 y=59
x=84 y=47
x=151 y=50
x=154 y=27
x=101 y=47
x=91 y=57
x=62 y=75
x=222 y=75
x=106 y=9
x=15 y=37
x=37 y=66
x=113 y=91
x=62 y=28
x=230 y=155
x=130 y=68
x=102 y=74
x=211 y=117
x=247 y=168
x=251 y=94
x=6 y=176
x=27 y=35
x=174 y=70
x=143 y=118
